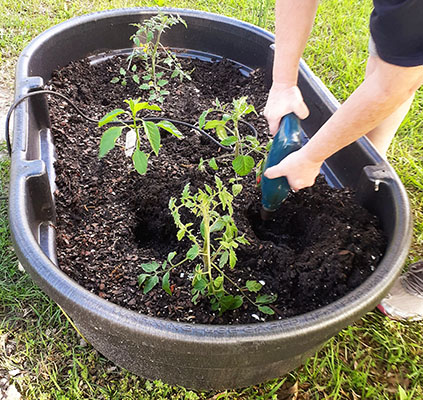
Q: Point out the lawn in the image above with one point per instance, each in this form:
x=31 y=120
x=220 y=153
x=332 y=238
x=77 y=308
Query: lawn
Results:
x=43 y=357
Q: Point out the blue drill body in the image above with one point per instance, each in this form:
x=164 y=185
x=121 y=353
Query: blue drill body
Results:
x=286 y=141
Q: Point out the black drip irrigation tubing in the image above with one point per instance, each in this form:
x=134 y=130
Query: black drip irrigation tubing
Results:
x=51 y=92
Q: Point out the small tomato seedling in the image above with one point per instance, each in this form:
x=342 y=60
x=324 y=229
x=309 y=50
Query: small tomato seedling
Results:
x=227 y=131
x=135 y=128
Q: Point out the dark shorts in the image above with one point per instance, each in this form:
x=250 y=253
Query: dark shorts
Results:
x=396 y=27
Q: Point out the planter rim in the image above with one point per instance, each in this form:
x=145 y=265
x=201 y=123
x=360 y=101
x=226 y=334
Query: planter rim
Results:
x=43 y=269
x=98 y=15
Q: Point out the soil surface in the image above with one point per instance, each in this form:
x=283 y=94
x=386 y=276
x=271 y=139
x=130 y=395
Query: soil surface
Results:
x=320 y=245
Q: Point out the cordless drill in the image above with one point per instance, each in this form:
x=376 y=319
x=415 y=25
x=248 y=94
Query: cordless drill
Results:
x=286 y=141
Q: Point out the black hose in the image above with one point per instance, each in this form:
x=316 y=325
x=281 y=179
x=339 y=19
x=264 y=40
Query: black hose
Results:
x=183 y=123
x=24 y=97
x=176 y=122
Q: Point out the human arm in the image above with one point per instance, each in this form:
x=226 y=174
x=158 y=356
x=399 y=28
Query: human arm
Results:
x=381 y=93
x=294 y=20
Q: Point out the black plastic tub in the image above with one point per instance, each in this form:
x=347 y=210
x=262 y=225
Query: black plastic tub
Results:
x=195 y=356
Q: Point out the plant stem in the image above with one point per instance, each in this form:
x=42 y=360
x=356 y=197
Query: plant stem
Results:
x=238 y=142
x=206 y=248
x=153 y=58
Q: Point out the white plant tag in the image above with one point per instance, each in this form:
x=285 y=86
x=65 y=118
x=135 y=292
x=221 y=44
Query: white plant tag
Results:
x=131 y=139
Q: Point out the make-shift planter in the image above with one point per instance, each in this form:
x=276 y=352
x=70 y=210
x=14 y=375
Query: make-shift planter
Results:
x=195 y=356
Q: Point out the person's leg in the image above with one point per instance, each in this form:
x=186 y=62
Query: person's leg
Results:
x=405 y=299
x=383 y=134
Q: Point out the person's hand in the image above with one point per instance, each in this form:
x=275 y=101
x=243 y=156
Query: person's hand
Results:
x=282 y=100
x=299 y=170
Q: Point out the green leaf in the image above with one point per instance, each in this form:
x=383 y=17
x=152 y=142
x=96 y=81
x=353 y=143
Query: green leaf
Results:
x=266 y=298
x=402 y=393
x=181 y=233
x=134 y=68
x=169 y=127
x=111 y=116
x=150 y=267
x=201 y=165
x=185 y=192
x=115 y=80
x=218 y=282
x=122 y=71
x=153 y=135
x=226 y=117
x=140 y=161
x=162 y=82
x=199 y=282
x=136 y=79
x=123 y=83
x=219 y=183
x=108 y=140
x=144 y=86
x=226 y=199
x=195 y=297
x=209 y=190
x=243 y=165
x=142 y=278
x=229 y=141
x=217 y=226
x=159 y=75
x=144 y=106
x=146 y=77
x=165 y=283
x=236 y=189
x=266 y=310
x=213 y=124
x=232 y=258
x=213 y=164
x=230 y=302
x=193 y=252
x=171 y=256
x=253 y=140
x=241 y=239
x=223 y=259
x=221 y=132
x=253 y=286
x=150 y=36
x=150 y=283
x=202 y=119
x=236 y=303
x=175 y=73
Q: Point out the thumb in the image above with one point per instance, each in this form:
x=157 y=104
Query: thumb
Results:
x=274 y=172
x=302 y=110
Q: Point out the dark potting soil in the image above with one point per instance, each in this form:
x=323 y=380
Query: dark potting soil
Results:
x=110 y=220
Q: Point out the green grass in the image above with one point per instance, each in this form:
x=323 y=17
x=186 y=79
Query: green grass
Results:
x=374 y=358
